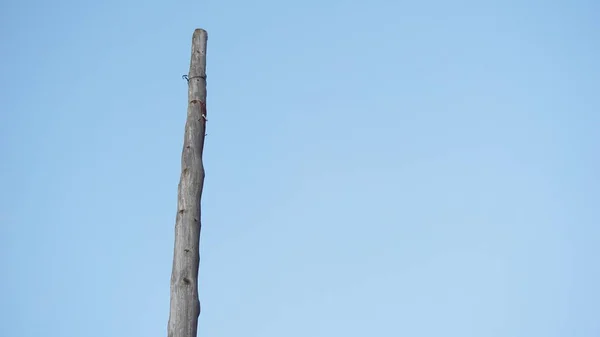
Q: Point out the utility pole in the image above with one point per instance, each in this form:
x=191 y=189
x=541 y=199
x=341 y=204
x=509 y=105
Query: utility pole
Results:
x=185 y=305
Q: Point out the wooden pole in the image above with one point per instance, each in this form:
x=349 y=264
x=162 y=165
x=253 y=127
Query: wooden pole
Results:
x=185 y=305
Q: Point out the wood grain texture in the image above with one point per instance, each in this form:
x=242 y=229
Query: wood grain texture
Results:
x=185 y=304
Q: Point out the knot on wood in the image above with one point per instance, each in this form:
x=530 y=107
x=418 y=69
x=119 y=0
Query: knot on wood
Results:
x=202 y=108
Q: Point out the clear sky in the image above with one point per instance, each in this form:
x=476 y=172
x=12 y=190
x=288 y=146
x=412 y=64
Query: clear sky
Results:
x=374 y=168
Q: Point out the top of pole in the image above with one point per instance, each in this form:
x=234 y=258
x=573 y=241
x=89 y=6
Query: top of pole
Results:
x=198 y=59
x=199 y=31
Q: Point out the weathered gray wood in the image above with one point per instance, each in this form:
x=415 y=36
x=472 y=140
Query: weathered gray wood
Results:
x=185 y=305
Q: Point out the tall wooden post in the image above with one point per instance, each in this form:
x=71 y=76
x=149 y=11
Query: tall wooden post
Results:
x=185 y=305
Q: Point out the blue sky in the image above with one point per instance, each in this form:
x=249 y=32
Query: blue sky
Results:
x=380 y=168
